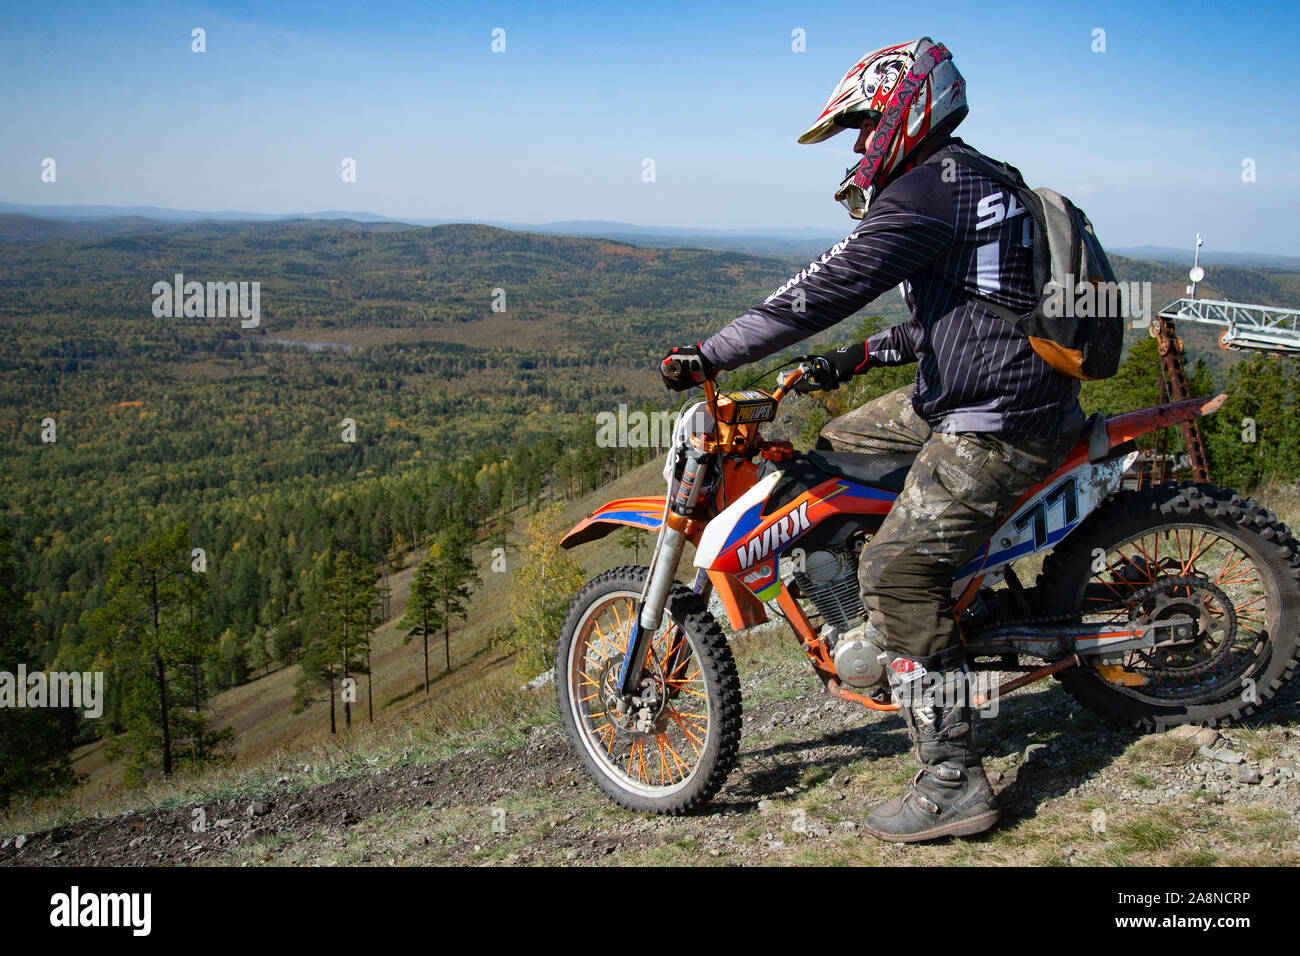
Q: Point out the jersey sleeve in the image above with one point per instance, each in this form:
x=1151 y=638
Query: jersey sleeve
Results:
x=896 y=345
x=907 y=227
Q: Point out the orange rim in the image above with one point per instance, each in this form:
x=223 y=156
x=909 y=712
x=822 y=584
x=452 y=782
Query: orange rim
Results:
x=661 y=754
x=1229 y=598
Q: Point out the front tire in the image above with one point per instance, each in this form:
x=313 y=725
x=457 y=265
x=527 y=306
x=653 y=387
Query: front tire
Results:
x=671 y=756
x=1190 y=549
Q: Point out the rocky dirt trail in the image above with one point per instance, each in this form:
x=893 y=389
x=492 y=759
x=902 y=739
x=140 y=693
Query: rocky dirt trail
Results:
x=810 y=768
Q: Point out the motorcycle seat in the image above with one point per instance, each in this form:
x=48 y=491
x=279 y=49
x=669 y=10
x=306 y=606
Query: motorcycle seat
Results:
x=886 y=472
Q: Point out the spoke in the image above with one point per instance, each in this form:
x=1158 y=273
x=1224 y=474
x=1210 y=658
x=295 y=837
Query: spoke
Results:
x=702 y=728
x=600 y=634
x=668 y=633
x=682 y=768
x=1243 y=580
x=695 y=741
x=1198 y=551
x=637 y=753
x=1133 y=585
x=1108 y=585
x=1227 y=567
x=624 y=632
x=680 y=664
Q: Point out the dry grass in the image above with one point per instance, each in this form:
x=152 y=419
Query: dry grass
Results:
x=479 y=692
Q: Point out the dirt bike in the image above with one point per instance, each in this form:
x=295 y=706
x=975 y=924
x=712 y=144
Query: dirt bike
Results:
x=1169 y=605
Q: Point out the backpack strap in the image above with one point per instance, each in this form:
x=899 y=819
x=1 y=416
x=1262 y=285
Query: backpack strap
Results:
x=1003 y=173
x=1009 y=177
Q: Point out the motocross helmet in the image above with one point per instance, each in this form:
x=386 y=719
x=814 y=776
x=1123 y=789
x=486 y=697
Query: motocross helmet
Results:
x=910 y=92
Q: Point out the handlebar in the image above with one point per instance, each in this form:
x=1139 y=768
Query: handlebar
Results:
x=784 y=385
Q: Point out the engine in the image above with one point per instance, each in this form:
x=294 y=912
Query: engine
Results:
x=829 y=580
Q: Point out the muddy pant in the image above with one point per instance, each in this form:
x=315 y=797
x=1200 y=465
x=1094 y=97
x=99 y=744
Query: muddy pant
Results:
x=959 y=490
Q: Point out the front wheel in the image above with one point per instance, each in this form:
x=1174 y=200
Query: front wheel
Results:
x=1190 y=550
x=673 y=749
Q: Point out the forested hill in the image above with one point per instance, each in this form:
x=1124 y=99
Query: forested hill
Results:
x=397 y=382
x=355 y=276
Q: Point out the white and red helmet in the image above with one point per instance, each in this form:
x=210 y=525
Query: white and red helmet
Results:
x=911 y=92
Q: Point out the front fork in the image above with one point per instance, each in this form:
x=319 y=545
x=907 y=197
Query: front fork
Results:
x=663 y=570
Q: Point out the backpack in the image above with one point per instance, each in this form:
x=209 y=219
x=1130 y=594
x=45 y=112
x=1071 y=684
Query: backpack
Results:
x=1067 y=255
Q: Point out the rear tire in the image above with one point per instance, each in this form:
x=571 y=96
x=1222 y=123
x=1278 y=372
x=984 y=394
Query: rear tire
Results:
x=1248 y=612
x=681 y=754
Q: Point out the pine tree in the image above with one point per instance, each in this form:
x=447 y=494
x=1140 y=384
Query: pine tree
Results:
x=422 y=611
x=1255 y=437
x=153 y=634
x=631 y=539
x=443 y=583
x=339 y=642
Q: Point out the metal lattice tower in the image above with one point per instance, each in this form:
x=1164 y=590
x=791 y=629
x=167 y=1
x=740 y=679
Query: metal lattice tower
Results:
x=1254 y=327
x=1170 y=347
x=1245 y=326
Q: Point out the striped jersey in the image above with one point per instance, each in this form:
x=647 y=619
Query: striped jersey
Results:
x=946 y=233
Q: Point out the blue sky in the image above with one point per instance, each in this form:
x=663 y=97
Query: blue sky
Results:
x=1149 y=136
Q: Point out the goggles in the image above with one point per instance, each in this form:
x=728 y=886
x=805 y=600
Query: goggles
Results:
x=852 y=196
x=856 y=119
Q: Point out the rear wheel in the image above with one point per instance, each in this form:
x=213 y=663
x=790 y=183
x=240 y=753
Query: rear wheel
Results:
x=1194 y=550
x=673 y=750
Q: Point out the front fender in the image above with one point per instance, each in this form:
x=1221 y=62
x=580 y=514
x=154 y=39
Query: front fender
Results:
x=645 y=513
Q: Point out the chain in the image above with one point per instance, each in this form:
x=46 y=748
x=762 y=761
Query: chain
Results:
x=1126 y=603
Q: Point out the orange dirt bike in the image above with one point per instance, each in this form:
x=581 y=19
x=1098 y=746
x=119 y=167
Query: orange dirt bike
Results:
x=1155 y=607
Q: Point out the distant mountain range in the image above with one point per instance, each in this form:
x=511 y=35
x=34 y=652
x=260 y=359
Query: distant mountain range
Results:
x=1254 y=260
x=28 y=223
x=98 y=221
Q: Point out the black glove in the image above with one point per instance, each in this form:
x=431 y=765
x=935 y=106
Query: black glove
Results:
x=831 y=369
x=684 y=368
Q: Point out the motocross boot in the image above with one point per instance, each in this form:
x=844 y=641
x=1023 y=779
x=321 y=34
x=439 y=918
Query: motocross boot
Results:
x=950 y=795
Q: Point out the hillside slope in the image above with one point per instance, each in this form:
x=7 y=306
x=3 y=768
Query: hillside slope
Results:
x=260 y=712
x=810 y=768
x=482 y=774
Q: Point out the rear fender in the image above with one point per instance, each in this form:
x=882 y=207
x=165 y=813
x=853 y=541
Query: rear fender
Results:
x=645 y=513
x=1126 y=427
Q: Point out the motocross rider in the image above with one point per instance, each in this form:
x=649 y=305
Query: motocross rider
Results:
x=986 y=418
